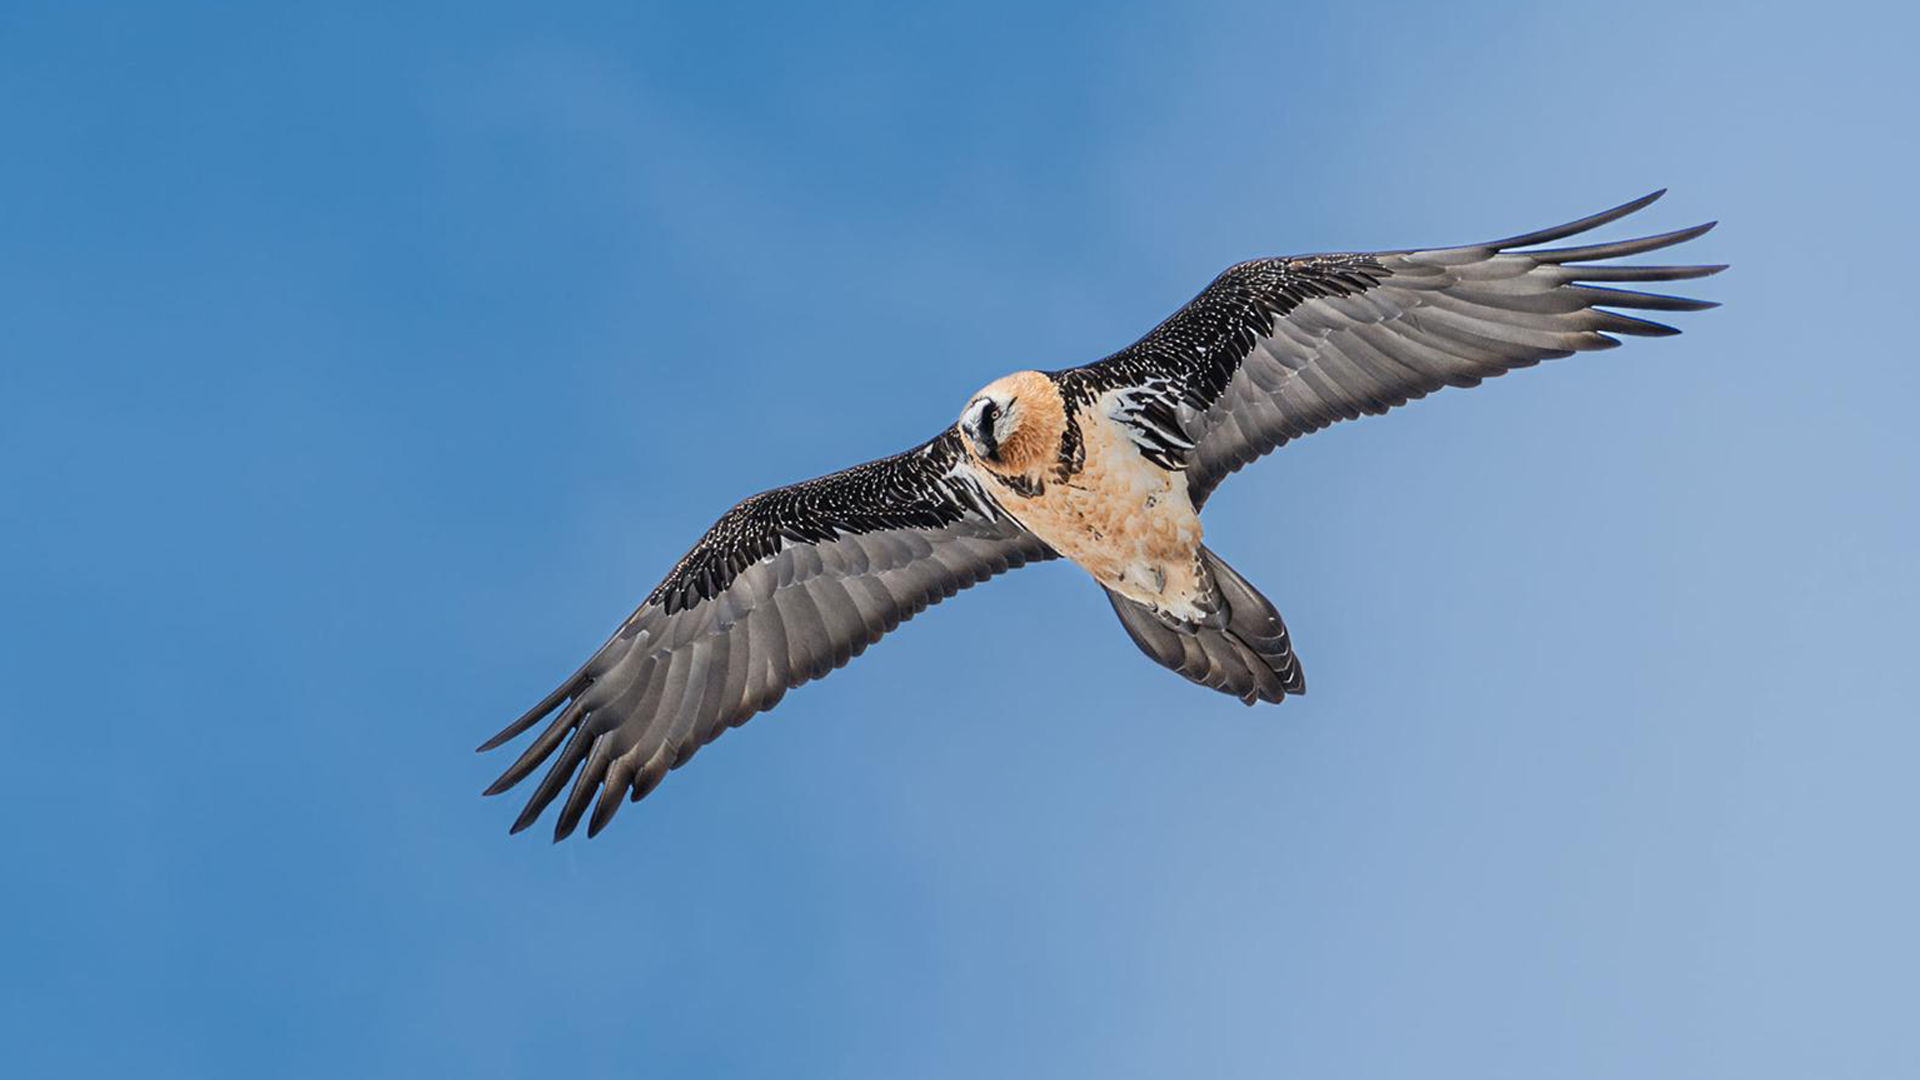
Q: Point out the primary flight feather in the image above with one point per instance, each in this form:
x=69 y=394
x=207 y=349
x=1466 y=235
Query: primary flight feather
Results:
x=1107 y=465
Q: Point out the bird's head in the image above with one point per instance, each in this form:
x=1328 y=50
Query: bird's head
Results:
x=1014 y=425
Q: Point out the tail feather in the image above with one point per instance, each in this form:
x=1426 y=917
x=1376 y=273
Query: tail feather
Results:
x=1247 y=653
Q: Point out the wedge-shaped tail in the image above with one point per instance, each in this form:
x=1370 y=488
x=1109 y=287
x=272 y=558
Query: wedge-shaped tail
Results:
x=1248 y=654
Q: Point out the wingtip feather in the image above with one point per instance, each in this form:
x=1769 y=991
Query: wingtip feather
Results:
x=611 y=796
x=1585 y=224
x=1617 y=323
x=1620 y=248
x=1618 y=272
x=576 y=683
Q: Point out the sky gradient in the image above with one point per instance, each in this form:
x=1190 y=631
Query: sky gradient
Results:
x=364 y=364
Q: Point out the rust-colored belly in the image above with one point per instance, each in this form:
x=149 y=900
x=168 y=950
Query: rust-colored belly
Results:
x=1128 y=522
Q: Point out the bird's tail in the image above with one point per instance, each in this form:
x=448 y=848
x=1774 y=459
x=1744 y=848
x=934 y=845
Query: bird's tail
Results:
x=1244 y=652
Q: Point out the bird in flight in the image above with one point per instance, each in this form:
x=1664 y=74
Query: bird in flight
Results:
x=1107 y=465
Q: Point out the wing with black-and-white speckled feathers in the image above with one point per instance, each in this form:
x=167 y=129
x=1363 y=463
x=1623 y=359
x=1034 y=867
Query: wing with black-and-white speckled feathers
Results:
x=786 y=587
x=1277 y=348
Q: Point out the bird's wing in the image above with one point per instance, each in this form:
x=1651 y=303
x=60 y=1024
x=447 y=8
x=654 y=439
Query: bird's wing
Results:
x=787 y=586
x=1277 y=348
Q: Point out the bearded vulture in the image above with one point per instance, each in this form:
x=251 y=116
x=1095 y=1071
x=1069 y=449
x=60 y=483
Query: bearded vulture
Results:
x=1107 y=464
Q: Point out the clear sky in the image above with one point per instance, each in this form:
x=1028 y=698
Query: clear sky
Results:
x=364 y=363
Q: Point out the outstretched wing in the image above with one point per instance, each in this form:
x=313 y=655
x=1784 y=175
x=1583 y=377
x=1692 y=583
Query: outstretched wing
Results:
x=787 y=586
x=1278 y=348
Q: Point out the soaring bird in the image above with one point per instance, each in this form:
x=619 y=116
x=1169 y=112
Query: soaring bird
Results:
x=1107 y=465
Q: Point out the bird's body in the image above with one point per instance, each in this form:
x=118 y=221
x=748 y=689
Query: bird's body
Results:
x=1083 y=486
x=1108 y=465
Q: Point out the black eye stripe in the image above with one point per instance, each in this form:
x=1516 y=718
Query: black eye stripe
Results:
x=981 y=428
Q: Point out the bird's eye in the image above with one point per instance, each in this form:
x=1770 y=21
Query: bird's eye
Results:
x=989 y=415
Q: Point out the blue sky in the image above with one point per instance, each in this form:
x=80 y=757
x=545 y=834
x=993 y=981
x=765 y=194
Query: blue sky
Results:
x=363 y=364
